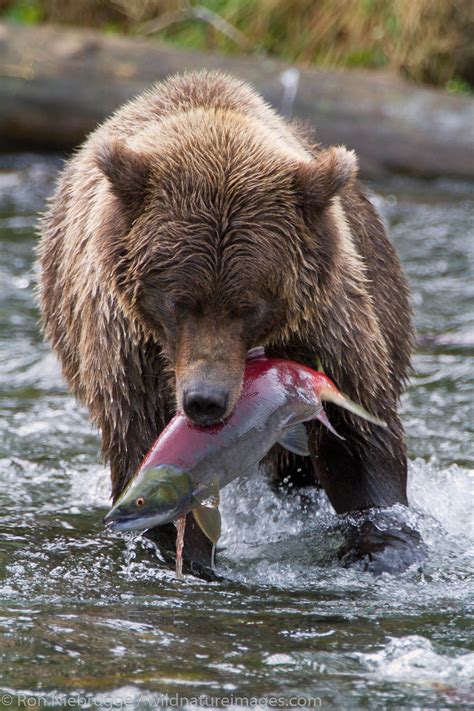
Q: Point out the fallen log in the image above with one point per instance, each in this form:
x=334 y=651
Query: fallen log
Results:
x=57 y=84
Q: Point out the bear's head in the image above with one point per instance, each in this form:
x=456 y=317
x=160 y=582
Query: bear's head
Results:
x=217 y=239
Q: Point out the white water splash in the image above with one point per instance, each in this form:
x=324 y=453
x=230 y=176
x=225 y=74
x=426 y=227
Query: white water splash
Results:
x=91 y=486
x=414 y=659
x=290 y=540
x=446 y=495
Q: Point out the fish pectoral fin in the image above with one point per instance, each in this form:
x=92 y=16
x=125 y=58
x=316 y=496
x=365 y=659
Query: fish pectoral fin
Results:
x=209 y=521
x=296 y=440
x=207 y=514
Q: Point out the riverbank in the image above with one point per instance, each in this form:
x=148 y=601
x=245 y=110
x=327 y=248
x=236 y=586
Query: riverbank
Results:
x=57 y=84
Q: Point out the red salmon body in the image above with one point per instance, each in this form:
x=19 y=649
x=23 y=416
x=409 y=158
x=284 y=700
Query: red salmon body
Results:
x=266 y=381
x=188 y=464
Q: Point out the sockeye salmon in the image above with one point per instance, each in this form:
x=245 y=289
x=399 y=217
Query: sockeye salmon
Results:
x=188 y=465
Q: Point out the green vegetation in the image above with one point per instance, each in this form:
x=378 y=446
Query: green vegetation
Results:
x=426 y=40
x=25 y=12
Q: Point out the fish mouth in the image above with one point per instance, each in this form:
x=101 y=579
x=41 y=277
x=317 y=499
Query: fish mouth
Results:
x=121 y=524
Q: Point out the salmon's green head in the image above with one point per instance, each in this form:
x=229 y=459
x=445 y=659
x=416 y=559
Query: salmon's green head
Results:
x=155 y=496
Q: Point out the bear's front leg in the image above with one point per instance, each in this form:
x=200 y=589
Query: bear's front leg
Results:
x=363 y=475
x=379 y=541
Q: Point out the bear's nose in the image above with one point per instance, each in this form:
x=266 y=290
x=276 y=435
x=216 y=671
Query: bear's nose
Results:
x=205 y=406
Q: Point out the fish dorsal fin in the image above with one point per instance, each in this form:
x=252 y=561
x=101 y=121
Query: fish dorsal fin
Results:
x=295 y=440
x=319 y=365
x=209 y=521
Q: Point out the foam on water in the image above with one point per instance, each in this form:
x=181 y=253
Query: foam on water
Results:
x=414 y=659
x=445 y=495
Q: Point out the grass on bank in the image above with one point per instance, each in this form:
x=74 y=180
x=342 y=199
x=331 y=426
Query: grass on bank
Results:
x=429 y=41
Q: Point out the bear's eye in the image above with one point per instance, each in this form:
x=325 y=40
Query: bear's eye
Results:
x=248 y=311
x=139 y=501
x=183 y=308
x=261 y=321
x=256 y=312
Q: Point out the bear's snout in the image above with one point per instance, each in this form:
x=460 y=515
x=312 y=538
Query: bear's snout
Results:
x=209 y=366
x=205 y=405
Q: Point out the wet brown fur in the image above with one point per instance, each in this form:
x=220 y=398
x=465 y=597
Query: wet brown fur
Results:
x=194 y=224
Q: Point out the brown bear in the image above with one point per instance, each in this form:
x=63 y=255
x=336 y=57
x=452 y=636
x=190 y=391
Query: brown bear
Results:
x=194 y=224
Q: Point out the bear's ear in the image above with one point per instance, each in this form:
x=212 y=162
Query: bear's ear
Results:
x=321 y=179
x=127 y=171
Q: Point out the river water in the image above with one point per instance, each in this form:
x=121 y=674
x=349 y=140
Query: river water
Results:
x=94 y=620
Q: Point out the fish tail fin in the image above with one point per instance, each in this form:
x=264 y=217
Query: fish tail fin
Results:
x=328 y=392
x=337 y=398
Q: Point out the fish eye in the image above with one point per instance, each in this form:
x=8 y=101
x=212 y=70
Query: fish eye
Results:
x=139 y=501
